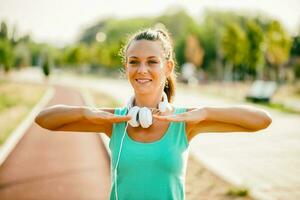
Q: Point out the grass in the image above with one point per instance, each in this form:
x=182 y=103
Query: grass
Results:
x=280 y=107
x=237 y=192
x=103 y=100
x=16 y=101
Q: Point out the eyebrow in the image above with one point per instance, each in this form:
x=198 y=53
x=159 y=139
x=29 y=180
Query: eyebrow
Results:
x=147 y=57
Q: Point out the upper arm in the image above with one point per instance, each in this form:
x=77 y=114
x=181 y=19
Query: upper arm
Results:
x=85 y=125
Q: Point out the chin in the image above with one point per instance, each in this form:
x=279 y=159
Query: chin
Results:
x=142 y=91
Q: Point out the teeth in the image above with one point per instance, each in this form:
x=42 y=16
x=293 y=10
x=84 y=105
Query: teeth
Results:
x=143 y=80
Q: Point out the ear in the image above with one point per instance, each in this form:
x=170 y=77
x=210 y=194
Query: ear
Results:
x=169 y=67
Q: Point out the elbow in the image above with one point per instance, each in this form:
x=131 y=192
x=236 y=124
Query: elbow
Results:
x=38 y=120
x=264 y=123
x=45 y=118
x=41 y=122
x=267 y=120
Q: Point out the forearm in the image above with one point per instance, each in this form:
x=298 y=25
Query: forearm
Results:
x=59 y=115
x=245 y=116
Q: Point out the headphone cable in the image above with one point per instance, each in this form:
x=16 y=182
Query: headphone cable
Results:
x=115 y=171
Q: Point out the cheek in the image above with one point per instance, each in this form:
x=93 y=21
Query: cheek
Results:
x=160 y=77
x=129 y=72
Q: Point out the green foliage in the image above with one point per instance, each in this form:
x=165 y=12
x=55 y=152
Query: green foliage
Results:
x=117 y=31
x=178 y=23
x=208 y=36
x=6 y=54
x=278 y=49
x=234 y=48
x=254 y=59
x=255 y=51
x=297 y=68
x=278 y=43
x=295 y=50
x=179 y=52
x=237 y=192
x=234 y=43
x=46 y=67
x=7 y=101
x=76 y=54
x=3 y=31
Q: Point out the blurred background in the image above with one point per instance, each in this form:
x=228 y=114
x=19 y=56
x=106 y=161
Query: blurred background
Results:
x=238 y=51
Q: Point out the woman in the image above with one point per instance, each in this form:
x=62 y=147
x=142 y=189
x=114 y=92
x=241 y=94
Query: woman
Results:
x=154 y=151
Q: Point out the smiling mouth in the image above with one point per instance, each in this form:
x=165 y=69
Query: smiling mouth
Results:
x=143 y=80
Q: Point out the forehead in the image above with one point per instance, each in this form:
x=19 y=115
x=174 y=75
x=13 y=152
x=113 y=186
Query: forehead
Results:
x=144 y=49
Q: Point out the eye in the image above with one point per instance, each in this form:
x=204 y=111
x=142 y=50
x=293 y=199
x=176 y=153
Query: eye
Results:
x=153 y=62
x=133 y=62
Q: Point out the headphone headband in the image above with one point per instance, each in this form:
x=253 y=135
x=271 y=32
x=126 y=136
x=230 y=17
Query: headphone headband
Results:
x=129 y=103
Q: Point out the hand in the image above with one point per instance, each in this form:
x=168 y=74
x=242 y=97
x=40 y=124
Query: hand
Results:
x=100 y=117
x=192 y=117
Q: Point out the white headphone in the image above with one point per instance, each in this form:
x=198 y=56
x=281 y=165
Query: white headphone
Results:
x=143 y=116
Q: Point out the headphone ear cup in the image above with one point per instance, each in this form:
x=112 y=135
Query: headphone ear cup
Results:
x=145 y=117
x=133 y=112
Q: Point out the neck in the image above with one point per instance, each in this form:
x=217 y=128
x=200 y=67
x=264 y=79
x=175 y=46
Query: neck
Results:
x=149 y=100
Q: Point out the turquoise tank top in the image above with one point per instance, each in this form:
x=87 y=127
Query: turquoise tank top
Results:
x=149 y=171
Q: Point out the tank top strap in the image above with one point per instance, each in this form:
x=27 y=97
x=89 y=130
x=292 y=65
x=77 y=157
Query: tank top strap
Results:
x=117 y=128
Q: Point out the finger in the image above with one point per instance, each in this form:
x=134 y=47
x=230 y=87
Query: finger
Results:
x=169 y=118
x=116 y=118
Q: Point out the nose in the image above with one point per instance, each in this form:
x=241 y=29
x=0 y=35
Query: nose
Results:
x=143 y=68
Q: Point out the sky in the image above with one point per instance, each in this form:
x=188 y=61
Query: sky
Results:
x=60 y=22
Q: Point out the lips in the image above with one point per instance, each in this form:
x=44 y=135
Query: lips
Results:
x=143 y=80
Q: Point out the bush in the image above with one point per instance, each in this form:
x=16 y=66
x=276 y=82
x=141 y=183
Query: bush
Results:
x=46 y=68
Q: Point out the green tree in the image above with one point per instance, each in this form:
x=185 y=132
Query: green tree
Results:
x=278 y=48
x=295 y=49
x=210 y=34
x=3 y=31
x=234 y=45
x=6 y=55
x=295 y=56
x=255 y=54
x=46 y=66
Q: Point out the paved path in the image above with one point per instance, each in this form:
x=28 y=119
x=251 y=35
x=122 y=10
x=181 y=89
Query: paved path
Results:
x=267 y=161
x=57 y=165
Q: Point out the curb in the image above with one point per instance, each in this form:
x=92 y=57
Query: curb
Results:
x=88 y=100
x=18 y=132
